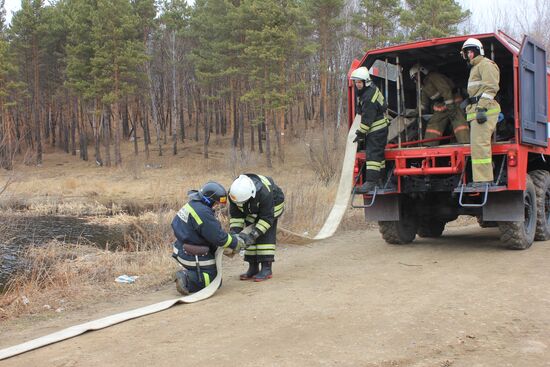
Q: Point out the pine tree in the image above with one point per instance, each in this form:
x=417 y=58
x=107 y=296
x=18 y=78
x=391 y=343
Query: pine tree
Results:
x=424 y=19
x=7 y=85
x=327 y=24
x=25 y=30
x=118 y=50
x=272 y=39
x=377 y=23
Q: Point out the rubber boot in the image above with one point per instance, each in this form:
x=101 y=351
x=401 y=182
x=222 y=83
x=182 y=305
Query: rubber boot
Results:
x=253 y=269
x=265 y=273
x=368 y=186
x=182 y=282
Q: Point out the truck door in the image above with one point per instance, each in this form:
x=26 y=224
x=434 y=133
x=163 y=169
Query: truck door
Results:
x=533 y=94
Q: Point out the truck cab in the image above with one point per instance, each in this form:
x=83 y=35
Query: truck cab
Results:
x=423 y=187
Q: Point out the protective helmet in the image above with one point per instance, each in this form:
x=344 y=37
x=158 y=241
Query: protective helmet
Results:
x=361 y=73
x=242 y=189
x=473 y=43
x=212 y=192
x=415 y=69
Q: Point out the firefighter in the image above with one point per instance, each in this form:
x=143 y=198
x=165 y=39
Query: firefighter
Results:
x=437 y=91
x=482 y=109
x=198 y=236
x=370 y=104
x=256 y=201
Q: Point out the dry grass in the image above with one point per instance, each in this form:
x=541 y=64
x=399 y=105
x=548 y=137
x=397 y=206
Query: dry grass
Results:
x=62 y=275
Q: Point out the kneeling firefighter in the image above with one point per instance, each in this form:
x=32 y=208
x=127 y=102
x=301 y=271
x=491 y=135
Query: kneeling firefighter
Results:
x=256 y=201
x=199 y=234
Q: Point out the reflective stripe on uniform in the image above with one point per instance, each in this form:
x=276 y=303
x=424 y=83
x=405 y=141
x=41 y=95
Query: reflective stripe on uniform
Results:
x=266 y=182
x=228 y=242
x=435 y=96
x=260 y=249
x=236 y=222
x=375 y=95
x=449 y=101
x=460 y=128
x=262 y=226
x=383 y=164
x=251 y=218
x=492 y=111
x=433 y=131
x=194 y=264
x=278 y=210
x=487 y=95
x=475 y=83
x=373 y=165
x=364 y=128
x=482 y=161
x=206 y=279
x=193 y=213
x=379 y=125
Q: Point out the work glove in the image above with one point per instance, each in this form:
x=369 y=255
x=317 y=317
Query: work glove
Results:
x=250 y=239
x=231 y=251
x=464 y=104
x=481 y=115
x=359 y=137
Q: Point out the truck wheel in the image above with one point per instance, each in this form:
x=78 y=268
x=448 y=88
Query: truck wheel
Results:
x=541 y=179
x=399 y=232
x=430 y=228
x=520 y=235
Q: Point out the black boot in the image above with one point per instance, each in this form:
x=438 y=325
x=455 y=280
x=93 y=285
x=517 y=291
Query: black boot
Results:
x=253 y=269
x=182 y=282
x=265 y=273
x=366 y=187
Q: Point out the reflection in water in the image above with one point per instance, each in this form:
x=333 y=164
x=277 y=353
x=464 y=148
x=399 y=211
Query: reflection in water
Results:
x=18 y=232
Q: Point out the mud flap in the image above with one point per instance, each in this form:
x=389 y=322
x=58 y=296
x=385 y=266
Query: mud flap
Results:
x=505 y=206
x=385 y=208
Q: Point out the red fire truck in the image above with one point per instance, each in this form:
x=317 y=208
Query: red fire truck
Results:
x=423 y=188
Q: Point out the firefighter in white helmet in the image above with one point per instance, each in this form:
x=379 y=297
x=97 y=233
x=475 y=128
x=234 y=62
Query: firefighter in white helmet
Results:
x=373 y=131
x=255 y=200
x=482 y=109
x=437 y=92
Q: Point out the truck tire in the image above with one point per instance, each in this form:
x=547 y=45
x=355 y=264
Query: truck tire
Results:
x=541 y=179
x=398 y=232
x=430 y=228
x=520 y=235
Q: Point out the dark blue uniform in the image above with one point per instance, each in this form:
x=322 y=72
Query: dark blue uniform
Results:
x=196 y=224
x=263 y=211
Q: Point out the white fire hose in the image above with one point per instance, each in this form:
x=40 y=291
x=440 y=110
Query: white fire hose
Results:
x=328 y=229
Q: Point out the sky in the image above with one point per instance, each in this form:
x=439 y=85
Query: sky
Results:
x=482 y=10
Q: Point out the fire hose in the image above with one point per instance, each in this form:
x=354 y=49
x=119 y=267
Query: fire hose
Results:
x=328 y=229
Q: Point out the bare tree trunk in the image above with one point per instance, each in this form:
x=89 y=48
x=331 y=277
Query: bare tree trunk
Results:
x=153 y=96
x=36 y=103
x=107 y=134
x=95 y=126
x=267 y=142
x=174 y=95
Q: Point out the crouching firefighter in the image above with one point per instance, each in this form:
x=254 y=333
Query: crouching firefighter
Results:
x=370 y=104
x=198 y=236
x=257 y=202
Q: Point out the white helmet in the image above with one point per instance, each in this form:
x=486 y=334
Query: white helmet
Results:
x=415 y=69
x=242 y=189
x=472 y=42
x=361 y=73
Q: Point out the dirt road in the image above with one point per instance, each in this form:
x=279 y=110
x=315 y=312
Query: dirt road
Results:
x=349 y=301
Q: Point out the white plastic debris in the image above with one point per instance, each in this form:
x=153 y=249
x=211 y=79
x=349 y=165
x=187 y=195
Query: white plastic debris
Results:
x=126 y=278
x=25 y=300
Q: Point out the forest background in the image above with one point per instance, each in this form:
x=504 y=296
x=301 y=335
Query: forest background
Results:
x=110 y=110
